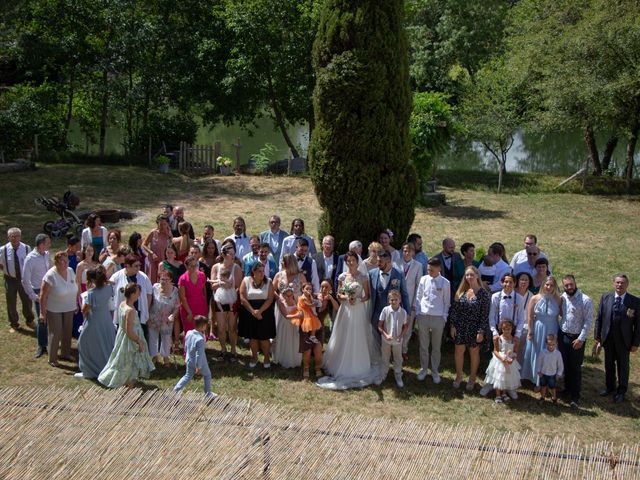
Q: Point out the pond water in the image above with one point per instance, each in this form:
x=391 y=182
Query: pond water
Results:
x=555 y=153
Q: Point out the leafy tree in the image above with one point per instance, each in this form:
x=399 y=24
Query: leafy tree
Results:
x=359 y=153
x=450 y=39
x=491 y=113
x=269 y=67
x=431 y=127
x=579 y=62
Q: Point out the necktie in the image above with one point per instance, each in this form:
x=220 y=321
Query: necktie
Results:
x=618 y=303
x=16 y=265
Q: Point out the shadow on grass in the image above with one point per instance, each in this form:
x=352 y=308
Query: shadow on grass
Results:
x=468 y=212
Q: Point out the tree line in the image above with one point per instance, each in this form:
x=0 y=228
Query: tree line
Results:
x=479 y=71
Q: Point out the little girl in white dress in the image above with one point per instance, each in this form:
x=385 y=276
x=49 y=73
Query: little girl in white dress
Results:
x=503 y=371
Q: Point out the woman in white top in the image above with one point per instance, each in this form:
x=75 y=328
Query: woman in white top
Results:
x=95 y=234
x=58 y=302
x=227 y=319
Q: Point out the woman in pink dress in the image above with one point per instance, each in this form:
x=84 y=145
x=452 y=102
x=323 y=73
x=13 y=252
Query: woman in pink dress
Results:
x=193 y=296
x=155 y=244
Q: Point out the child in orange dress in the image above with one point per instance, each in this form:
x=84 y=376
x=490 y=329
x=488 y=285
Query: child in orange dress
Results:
x=311 y=331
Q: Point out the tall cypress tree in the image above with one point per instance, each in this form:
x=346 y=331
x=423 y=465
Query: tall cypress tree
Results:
x=359 y=153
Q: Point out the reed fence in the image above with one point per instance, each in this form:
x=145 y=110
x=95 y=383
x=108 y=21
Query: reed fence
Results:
x=67 y=434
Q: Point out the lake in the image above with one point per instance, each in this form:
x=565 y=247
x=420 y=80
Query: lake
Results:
x=555 y=153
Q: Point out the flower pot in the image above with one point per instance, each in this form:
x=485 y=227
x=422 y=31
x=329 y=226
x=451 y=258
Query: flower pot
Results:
x=163 y=168
x=225 y=170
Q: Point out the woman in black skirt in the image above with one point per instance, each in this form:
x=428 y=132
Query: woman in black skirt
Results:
x=257 y=321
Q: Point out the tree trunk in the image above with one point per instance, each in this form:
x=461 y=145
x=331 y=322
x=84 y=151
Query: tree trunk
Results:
x=631 y=148
x=590 y=140
x=128 y=143
x=608 y=152
x=67 y=121
x=103 y=112
x=279 y=120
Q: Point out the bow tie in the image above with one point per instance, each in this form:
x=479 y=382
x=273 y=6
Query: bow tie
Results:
x=238 y=236
x=385 y=274
x=506 y=296
x=301 y=259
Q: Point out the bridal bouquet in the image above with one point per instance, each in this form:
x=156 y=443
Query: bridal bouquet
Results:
x=349 y=289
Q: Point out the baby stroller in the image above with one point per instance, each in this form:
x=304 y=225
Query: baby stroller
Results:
x=68 y=222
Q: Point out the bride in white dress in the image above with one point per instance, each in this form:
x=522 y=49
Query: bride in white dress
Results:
x=346 y=360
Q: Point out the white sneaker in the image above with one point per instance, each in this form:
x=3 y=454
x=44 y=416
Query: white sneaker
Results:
x=513 y=394
x=210 y=396
x=399 y=382
x=422 y=374
x=78 y=375
x=484 y=391
x=253 y=364
x=436 y=377
x=267 y=365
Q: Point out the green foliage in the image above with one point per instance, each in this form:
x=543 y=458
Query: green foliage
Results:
x=170 y=128
x=431 y=127
x=490 y=111
x=27 y=110
x=359 y=153
x=269 y=64
x=451 y=39
x=264 y=157
x=162 y=160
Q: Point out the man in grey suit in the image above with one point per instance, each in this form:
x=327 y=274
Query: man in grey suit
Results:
x=617 y=329
x=381 y=281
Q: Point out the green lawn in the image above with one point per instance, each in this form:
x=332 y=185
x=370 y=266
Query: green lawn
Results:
x=589 y=236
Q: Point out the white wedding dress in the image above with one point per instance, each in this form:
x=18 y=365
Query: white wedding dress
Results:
x=346 y=359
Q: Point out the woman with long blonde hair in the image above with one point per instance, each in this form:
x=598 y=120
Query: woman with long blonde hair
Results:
x=469 y=314
x=543 y=311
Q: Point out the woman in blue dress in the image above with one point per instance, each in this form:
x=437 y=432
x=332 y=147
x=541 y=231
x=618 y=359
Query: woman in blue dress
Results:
x=130 y=358
x=543 y=313
x=98 y=332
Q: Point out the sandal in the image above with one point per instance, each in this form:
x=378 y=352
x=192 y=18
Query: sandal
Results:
x=456 y=383
x=318 y=372
x=305 y=373
x=506 y=398
x=498 y=400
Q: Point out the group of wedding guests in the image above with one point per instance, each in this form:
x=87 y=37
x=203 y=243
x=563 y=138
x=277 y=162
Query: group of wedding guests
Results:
x=132 y=303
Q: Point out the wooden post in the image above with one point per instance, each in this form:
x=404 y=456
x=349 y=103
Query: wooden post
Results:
x=181 y=156
x=150 y=152
x=289 y=160
x=237 y=146
x=35 y=145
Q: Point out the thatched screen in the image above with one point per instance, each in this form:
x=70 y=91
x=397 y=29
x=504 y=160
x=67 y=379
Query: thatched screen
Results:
x=67 y=434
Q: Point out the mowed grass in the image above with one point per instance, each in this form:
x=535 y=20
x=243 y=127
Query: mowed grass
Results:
x=589 y=236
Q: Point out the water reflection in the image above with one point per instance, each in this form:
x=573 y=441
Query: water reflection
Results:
x=553 y=153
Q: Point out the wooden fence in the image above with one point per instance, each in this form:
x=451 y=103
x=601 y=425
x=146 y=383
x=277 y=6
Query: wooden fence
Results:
x=198 y=159
x=57 y=433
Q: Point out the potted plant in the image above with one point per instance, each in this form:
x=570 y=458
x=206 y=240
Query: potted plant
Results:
x=224 y=163
x=163 y=163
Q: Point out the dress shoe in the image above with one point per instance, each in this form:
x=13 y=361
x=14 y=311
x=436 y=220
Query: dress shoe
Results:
x=606 y=392
x=40 y=351
x=31 y=324
x=618 y=398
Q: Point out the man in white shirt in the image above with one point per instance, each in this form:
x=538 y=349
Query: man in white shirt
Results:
x=274 y=237
x=525 y=259
x=412 y=271
x=240 y=237
x=36 y=265
x=131 y=274
x=432 y=302
x=297 y=231
x=178 y=218
x=12 y=257
x=493 y=268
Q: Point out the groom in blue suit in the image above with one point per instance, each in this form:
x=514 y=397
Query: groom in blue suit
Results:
x=382 y=280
